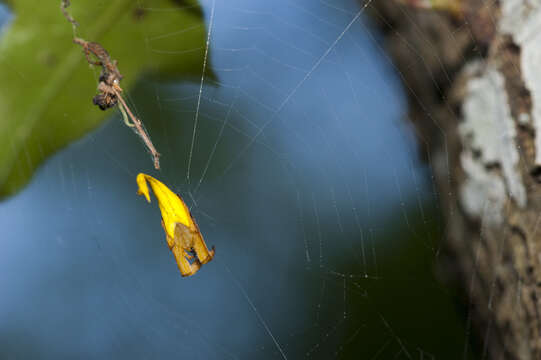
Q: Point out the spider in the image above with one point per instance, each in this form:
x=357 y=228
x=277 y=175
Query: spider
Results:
x=109 y=78
x=110 y=91
x=188 y=245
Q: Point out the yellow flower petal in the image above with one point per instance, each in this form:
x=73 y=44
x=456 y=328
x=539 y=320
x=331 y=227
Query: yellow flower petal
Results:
x=181 y=231
x=172 y=207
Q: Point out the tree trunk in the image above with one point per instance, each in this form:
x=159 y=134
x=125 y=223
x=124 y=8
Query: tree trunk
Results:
x=473 y=78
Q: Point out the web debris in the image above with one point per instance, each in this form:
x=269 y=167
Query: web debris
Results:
x=109 y=88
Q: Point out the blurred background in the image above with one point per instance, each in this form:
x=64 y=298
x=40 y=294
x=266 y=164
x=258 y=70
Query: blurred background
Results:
x=305 y=175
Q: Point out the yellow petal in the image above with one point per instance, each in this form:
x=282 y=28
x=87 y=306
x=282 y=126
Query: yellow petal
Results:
x=181 y=231
x=171 y=205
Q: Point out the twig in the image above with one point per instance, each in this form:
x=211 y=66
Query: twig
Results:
x=138 y=126
x=63 y=7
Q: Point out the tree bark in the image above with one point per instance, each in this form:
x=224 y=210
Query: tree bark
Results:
x=473 y=80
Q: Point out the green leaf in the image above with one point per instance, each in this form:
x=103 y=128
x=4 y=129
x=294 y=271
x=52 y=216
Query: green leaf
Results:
x=47 y=84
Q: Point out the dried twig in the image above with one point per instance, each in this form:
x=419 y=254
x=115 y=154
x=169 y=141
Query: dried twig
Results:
x=108 y=87
x=140 y=130
x=63 y=7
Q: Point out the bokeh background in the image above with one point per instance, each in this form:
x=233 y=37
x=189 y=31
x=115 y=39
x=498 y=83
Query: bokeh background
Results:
x=304 y=174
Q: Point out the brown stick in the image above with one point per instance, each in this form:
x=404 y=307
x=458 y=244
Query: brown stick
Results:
x=138 y=125
x=63 y=5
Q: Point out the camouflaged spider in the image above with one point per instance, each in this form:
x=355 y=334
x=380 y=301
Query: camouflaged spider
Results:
x=109 y=84
x=109 y=78
x=110 y=91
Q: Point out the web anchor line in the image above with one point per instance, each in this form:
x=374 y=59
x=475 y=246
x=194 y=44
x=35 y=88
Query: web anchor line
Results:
x=190 y=156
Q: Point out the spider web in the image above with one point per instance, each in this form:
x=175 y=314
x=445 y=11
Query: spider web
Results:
x=298 y=165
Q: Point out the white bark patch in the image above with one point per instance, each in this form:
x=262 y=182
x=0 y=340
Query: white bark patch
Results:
x=482 y=194
x=522 y=20
x=524 y=119
x=488 y=131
